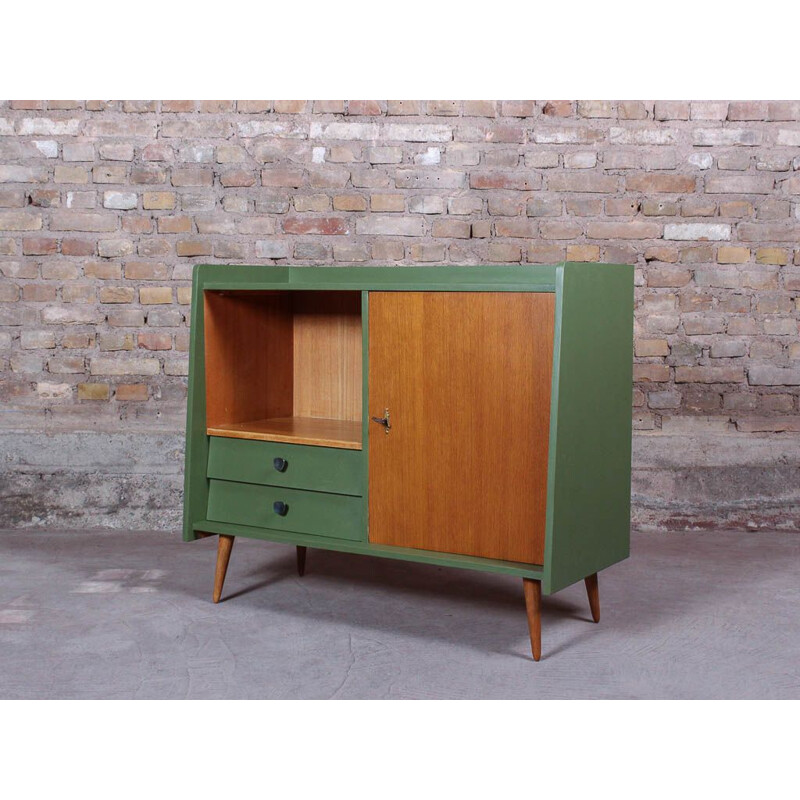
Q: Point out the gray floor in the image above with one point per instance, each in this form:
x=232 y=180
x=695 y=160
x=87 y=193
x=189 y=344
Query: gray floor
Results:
x=128 y=615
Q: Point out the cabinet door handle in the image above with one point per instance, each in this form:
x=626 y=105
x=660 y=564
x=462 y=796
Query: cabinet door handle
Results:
x=280 y=508
x=280 y=464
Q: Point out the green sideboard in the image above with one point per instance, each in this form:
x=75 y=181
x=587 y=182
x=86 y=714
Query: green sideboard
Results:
x=474 y=417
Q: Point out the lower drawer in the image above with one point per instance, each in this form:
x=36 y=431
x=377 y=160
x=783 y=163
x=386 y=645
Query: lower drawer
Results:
x=319 y=513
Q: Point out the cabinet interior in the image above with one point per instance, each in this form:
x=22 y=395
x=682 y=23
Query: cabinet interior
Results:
x=284 y=366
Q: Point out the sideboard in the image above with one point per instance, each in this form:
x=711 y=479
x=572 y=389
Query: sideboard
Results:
x=472 y=417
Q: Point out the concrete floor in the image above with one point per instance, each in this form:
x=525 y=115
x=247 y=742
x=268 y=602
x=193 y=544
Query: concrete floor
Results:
x=129 y=615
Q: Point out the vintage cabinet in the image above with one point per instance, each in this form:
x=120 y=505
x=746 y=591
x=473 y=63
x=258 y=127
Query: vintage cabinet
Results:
x=474 y=417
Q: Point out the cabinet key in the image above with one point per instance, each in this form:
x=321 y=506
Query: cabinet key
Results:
x=384 y=420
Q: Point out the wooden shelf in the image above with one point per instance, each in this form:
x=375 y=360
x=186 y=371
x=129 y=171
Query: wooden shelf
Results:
x=341 y=433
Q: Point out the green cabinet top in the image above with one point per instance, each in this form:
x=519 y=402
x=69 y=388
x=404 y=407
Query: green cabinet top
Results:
x=501 y=277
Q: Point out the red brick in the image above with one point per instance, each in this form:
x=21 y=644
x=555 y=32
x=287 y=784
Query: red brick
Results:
x=253 y=106
x=650 y=182
x=93 y=391
x=37 y=293
x=148 y=175
x=155 y=341
x=328 y=107
x=293 y=178
x=177 y=106
x=78 y=247
x=481 y=229
x=506 y=180
x=480 y=108
x=558 y=108
x=404 y=107
x=518 y=108
x=539 y=253
x=582 y=182
x=192 y=176
x=325 y=226
x=146 y=271
x=27 y=105
x=451 y=229
x=650 y=373
x=559 y=229
x=388 y=203
x=137 y=224
x=174 y=224
x=130 y=392
x=668 y=277
x=39 y=246
x=370 y=108
x=139 y=106
x=709 y=375
x=193 y=247
x=349 y=202
x=160 y=151
x=747 y=110
x=117 y=294
x=635 y=229
x=516 y=228
x=631 y=109
x=215 y=106
x=504 y=253
x=595 y=109
x=290 y=106
x=783 y=110
x=583 y=252
x=671 y=109
x=237 y=178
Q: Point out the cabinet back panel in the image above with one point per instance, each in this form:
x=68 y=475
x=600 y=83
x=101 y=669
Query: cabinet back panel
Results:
x=467 y=379
x=327 y=355
x=248 y=356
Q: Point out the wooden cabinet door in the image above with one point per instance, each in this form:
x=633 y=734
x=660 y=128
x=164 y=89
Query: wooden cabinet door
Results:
x=466 y=378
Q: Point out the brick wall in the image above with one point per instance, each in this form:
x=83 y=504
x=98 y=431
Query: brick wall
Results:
x=106 y=205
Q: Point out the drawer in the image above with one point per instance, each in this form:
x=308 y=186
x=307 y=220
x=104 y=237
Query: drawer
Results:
x=323 y=469
x=323 y=514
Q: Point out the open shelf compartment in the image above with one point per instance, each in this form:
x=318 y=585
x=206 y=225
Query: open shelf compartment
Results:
x=284 y=366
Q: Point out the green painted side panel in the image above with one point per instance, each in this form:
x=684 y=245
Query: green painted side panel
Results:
x=500 y=278
x=588 y=527
x=308 y=512
x=321 y=469
x=384 y=551
x=195 y=482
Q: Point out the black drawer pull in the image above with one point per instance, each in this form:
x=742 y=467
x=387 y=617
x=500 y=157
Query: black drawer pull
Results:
x=280 y=508
x=280 y=464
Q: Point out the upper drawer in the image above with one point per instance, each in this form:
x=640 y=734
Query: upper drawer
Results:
x=323 y=469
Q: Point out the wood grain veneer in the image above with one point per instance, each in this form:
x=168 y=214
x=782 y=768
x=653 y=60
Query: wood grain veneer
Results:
x=248 y=356
x=295 y=430
x=466 y=377
x=284 y=366
x=327 y=355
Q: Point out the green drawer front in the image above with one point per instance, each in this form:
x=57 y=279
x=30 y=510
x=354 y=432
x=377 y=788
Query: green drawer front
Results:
x=307 y=512
x=323 y=469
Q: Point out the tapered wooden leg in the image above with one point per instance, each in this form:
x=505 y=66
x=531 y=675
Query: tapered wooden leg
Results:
x=301 y=561
x=533 y=605
x=594 y=596
x=223 y=557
